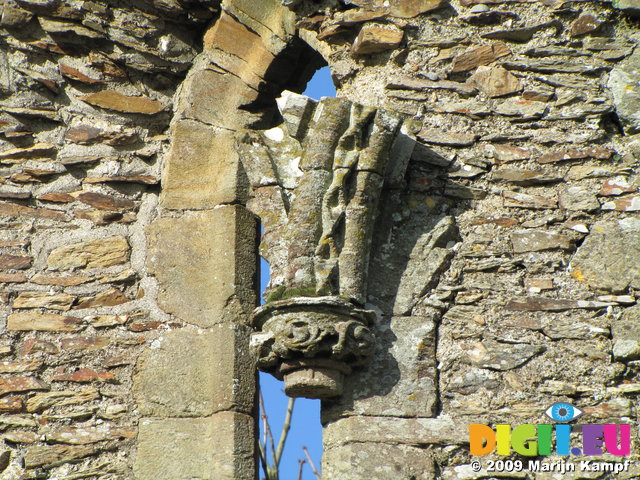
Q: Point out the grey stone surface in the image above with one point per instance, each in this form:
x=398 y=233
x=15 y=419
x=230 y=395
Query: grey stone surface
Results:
x=219 y=447
x=194 y=373
x=380 y=461
x=626 y=335
x=401 y=380
x=609 y=258
x=623 y=83
x=190 y=255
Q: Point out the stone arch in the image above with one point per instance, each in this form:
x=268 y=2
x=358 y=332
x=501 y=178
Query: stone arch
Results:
x=196 y=390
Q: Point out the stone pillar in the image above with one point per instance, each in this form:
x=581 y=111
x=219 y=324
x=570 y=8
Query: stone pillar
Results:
x=196 y=387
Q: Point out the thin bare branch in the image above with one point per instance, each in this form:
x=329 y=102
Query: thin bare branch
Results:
x=269 y=434
x=313 y=467
x=301 y=462
x=285 y=431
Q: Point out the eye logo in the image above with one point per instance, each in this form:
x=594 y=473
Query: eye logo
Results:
x=563 y=412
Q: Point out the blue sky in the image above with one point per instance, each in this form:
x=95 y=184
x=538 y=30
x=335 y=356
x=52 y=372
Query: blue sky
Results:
x=305 y=426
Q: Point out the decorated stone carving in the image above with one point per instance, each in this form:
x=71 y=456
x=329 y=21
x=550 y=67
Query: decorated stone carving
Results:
x=317 y=181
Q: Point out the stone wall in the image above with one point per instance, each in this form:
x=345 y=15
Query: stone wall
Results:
x=503 y=269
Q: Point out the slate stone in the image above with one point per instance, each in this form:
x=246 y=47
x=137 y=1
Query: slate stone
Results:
x=609 y=258
x=624 y=85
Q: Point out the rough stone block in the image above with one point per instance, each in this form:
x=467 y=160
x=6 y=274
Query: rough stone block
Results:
x=401 y=380
x=209 y=97
x=99 y=253
x=362 y=461
x=443 y=430
x=609 y=258
x=220 y=447
x=202 y=168
x=196 y=374
x=205 y=264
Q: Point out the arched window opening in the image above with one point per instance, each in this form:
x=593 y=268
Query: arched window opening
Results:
x=305 y=430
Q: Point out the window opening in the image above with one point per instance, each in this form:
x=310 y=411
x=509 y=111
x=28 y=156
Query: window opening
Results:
x=305 y=429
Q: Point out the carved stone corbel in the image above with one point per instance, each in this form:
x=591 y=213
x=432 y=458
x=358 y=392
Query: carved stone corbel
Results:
x=316 y=188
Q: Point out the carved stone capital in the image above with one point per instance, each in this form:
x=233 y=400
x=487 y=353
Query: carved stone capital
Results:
x=312 y=342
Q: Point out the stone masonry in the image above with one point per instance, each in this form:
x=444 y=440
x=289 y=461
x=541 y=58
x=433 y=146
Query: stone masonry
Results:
x=502 y=263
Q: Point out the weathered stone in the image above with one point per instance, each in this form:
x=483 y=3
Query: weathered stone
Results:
x=43 y=322
x=60 y=398
x=15 y=262
x=495 y=81
x=556 y=66
x=376 y=38
x=85 y=344
x=13 y=278
x=521 y=110
x=616 y=186
x=196 y=374
x=626 y=91
x=578 y=198
x=534 y=241
x=84 y=436
x=59 y=280
x=487 y=17
x=356 y=429
x=523 y=177
x=39 y=150
x=623 y=204
x=630 y=7
x=401 y=8
x=84 y=134
x=532 y=304
x=609 y=258
x=400 y=380
x=479 y=56
x=535 y=285
x=75 y=74
x=599 y=153
x=108 y=298
x=101 y=217
x=59 y=301
x=187 y=265
x=56 y=197
x=20 y=367
x=21 y=384
x=220 y=447
x=17 y=421
x=9 y=195
x=22 y=437
x=143 y=179
x=201 y=168
x=580 y=172
x=441 y=137
x=523 y=34
x=626 y=335
x=100 y=321
x=508 y=153
x=571 y=329
x=11 y=404
x=34 y=345
x=537 y=95
x=84 y=375
x=50 y=456
x=524 y=200
x=113 y=100
x=403 y=462
x=584 y=24
x=97 y=253
x=500 y=356
x=408 y=83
